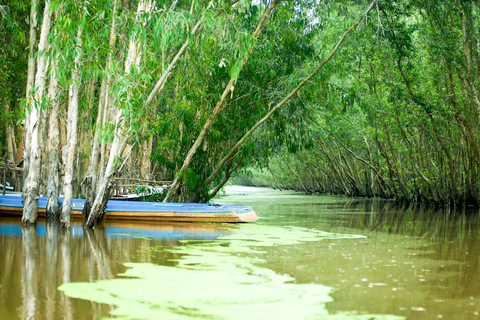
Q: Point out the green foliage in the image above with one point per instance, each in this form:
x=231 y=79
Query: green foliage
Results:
x=389 y=118
x=393 y=114
x=13 y=63
x=194 y=91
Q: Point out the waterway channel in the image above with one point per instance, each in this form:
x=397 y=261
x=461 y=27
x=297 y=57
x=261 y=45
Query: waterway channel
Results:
x=308 y=257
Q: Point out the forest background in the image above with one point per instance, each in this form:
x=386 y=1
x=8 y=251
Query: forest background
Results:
x=375 y=99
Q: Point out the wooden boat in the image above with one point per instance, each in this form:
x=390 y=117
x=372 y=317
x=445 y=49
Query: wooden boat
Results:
x=137 y=210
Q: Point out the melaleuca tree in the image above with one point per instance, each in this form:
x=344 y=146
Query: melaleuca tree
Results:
x=35 y=120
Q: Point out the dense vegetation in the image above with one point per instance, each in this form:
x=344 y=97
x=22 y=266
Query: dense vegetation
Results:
x=397 y=113
x=180 y=91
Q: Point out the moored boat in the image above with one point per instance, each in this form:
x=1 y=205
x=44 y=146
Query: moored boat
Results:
x=137 y=210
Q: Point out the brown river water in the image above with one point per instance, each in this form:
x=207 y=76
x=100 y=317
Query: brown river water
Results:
x=308 y=257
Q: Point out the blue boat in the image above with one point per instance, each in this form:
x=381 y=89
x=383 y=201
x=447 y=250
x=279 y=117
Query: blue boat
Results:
x=141 y=211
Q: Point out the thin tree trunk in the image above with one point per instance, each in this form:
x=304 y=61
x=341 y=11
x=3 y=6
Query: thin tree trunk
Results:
x=10 y=137
x=98 y=147
x=333 y=165
x=106 y=183
x=164 y=77
x=12 y=148
x=71 y=133
x=225 y=179
x=145 y=167
x=97 y=211
x=30 y=208
x=468 y=59
x=369 y=164
x=104 y=151
x=295 y=174
x=29 y=88
x=84 y=142
x=53 y=206
x=42 y=144
x=396 y=171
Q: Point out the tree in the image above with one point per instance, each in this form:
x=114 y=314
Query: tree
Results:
x=34 y=105
x=72 y=123
x=120 y=133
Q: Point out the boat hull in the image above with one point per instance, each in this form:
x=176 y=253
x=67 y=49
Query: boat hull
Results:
x=141 y=211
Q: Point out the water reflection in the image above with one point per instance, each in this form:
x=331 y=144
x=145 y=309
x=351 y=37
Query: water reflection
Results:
x=29 y=266
x=97 y=244
x=447 y=234
x=419 y=262
x=36 y=260
x=45 y=264
x=51 y=277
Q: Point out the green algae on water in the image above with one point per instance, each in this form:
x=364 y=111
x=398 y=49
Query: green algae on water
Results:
x=213 y=281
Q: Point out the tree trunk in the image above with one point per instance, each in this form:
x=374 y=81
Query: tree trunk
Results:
x=97 y=212
x=29 y=88
x=10 y=137
x=468 y=59
x=71 y=133
x=53 y=186
x=85 y=142
x=12 y=149
x=98 y=147
x=294 y=173
x=163 y=78
x=42 y=144
x=145 y=158
x=30 y=209
x=229 y=172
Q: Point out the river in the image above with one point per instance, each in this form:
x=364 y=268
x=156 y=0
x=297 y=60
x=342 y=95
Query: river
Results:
x=308 y=257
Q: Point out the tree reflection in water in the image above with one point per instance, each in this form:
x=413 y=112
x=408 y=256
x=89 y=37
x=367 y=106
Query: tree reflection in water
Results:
x=448 y=234
x=51 y=277
x=29 y=269
x=46 y=256
x=47 y=262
